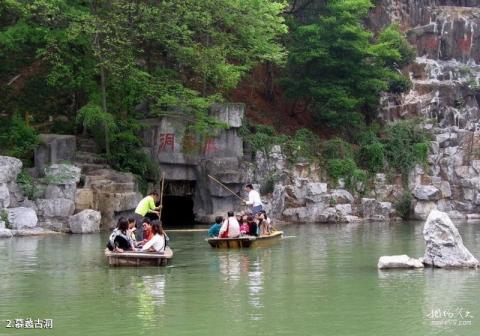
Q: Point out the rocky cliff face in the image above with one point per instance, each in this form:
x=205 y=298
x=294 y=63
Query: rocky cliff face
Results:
x=446 y=92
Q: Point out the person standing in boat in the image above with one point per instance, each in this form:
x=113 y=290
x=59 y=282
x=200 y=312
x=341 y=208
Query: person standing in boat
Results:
x=230 y=227
x=147 y=206
x=253 y=199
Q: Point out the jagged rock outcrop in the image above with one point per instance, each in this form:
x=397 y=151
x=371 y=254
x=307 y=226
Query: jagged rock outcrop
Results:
x=445 y=77
x=444 y=245
x=399 y=261
x=375 y=210
x=54 y=148
x=9 y=169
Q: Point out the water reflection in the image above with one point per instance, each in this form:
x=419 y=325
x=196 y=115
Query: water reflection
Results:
x=230 y=267
x=155 y=286
x=255 y=289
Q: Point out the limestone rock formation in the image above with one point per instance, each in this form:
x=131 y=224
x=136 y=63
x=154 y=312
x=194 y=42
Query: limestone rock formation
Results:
x=426 y=193
x=444 y=245
x=375 y=210
x=4 y=196
x=86 y=221
x=22 y=218
x=54 y=148
x=9 y=169
x=62 y=174
x=399 y=261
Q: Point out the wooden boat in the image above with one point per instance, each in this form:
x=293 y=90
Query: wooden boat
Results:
x=136 y=259
x=245 y=241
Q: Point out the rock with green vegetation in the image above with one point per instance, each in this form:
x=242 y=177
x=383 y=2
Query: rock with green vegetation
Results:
x=62 y=173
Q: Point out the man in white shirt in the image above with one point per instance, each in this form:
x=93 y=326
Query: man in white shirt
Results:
x=230 y=227
x=253 y=199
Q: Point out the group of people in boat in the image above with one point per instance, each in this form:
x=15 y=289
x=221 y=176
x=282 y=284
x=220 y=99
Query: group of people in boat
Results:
x=150 y=238
x=242 y=224
x=246 y=223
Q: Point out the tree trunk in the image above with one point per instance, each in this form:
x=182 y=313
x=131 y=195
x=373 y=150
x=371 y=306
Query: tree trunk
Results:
x=104 y=107
x=269 y=92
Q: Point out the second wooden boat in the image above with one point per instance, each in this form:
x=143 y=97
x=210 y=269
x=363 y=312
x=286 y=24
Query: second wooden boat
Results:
x=245 y=241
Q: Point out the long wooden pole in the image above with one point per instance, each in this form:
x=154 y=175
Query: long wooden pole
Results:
x=161 y=195
x=224 y=186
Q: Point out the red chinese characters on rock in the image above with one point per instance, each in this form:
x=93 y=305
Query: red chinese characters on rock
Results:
x=465 y=44
x=431 y=44
x=167 y=142
x=210 y=147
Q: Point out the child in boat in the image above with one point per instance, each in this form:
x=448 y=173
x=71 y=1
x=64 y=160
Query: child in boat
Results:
x=119 y=240
x=132 y=229
x=215 y=228
x=244 y=228
x=159 y=240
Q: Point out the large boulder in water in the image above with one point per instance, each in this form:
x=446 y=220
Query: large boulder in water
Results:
x=399 y=261
x=86 y=221
x=444 y=244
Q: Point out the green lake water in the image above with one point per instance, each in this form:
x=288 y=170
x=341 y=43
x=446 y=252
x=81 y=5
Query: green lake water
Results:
x=322 y=280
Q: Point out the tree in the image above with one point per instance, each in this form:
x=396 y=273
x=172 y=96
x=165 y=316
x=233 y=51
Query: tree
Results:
x=338 y=68
x=101 y=59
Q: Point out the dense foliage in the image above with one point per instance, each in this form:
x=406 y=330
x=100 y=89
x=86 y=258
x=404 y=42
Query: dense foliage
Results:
x=338 y=68
x=103 y=66
x=101 y=63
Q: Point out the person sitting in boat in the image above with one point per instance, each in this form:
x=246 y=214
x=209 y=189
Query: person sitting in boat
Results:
x=263 y=224
x=147 y=231
x=230 y=227
x=119 y=240
x=159 y=240
x=147 y=206
x=252 y=226
x=253 y=199
x=244 y=227
x=132 y=229
x=215 y=228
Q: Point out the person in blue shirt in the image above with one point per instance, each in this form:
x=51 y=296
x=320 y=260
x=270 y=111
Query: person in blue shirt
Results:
x=215 y=228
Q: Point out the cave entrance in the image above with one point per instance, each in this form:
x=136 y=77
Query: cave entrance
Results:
x=178 y=204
